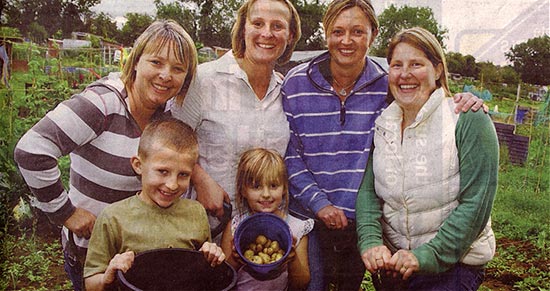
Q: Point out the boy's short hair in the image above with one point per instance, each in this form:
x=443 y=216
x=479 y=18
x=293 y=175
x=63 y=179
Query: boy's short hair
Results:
x=172 y=133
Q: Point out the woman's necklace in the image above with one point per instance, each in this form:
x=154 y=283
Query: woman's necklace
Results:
x=343 y=89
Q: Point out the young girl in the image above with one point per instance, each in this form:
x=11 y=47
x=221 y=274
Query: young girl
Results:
x=262 y=186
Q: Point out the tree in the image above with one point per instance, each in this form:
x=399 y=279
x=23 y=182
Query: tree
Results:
x=531 y=59
x=136 y=24
x=311 y=16
x=394 y=19
x=102 y=25
x=52 y=15
x=182 y=14
x=455 y=63
x=509 y=75
x=215 y=20
x=489 y=73
x=37 y=33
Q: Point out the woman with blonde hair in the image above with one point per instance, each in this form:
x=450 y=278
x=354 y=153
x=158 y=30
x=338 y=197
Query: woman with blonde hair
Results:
x=99 y=129
x=234 y=104
x=331 y=103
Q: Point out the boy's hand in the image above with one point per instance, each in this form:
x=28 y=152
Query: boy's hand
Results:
x=213 y=253
x=121 y=262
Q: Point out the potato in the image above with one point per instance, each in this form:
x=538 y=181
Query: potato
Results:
x=261 y=240
x=265 y=258
x=275 y=245
x=257 y=260
x=249 y=254
x=277 y=257
x=263 y=250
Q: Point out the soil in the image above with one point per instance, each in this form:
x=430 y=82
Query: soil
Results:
x=493 y=280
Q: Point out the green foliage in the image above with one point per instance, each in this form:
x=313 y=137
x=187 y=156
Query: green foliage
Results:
x=311 y=16
x=37 y=33
x=9 y=31
x=186 y=17
x=521 y=219
x=136 y=24
x=463 y=65
x=31 y=96
x=102 y=25
x=394 y=19
x=28 y=260
x=216 y=18
x=49 y=15
x=532 y=60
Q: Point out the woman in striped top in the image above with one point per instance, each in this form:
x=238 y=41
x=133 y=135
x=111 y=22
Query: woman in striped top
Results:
x=99 y=129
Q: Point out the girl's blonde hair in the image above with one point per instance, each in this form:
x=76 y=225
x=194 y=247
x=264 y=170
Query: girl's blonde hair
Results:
x=237 y=32
x=156 y=37
x=260 y=167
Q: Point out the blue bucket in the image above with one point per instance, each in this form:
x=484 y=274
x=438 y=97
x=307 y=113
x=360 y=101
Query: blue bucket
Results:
x=271 y=226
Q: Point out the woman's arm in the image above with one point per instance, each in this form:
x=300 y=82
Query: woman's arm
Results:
x=478 y=152
x=70 y=125
x=209 y=193
x=368 y=212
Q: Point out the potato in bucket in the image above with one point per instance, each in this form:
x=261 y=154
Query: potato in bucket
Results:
x=263 y=241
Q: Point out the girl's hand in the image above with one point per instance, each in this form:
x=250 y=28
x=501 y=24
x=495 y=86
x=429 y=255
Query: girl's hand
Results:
x=376 y=258
x=404 y=262
x=121 y=262
x=213 y=253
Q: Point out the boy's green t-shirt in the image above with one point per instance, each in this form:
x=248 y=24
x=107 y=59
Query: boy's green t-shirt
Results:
x=133 y=225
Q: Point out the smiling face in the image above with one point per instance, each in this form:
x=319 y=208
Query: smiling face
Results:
x=266 y=31
x=349 y=38
x=412 y=77
x=159 y=77
x=165 y=174
x=265 y=197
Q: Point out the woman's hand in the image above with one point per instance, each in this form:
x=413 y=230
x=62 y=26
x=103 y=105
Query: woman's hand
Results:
x=376 y=258
x=404 y=262
x=81 y=223
x=468 y=101
x=121 y=262
x=333 y=217
x=209 y=193
x=213 y=253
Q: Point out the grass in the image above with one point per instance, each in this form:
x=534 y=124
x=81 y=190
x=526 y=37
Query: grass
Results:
x=32 y=263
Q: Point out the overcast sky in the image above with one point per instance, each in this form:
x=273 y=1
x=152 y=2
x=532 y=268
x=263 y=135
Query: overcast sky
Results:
x=485 y=29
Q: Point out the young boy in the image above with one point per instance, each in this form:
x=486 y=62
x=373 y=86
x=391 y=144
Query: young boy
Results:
x=156 y=217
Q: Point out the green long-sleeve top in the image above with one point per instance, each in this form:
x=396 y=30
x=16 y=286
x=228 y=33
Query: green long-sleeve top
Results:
x=478 y=155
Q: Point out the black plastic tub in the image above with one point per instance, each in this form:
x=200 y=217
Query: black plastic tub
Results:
x=176 y=269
